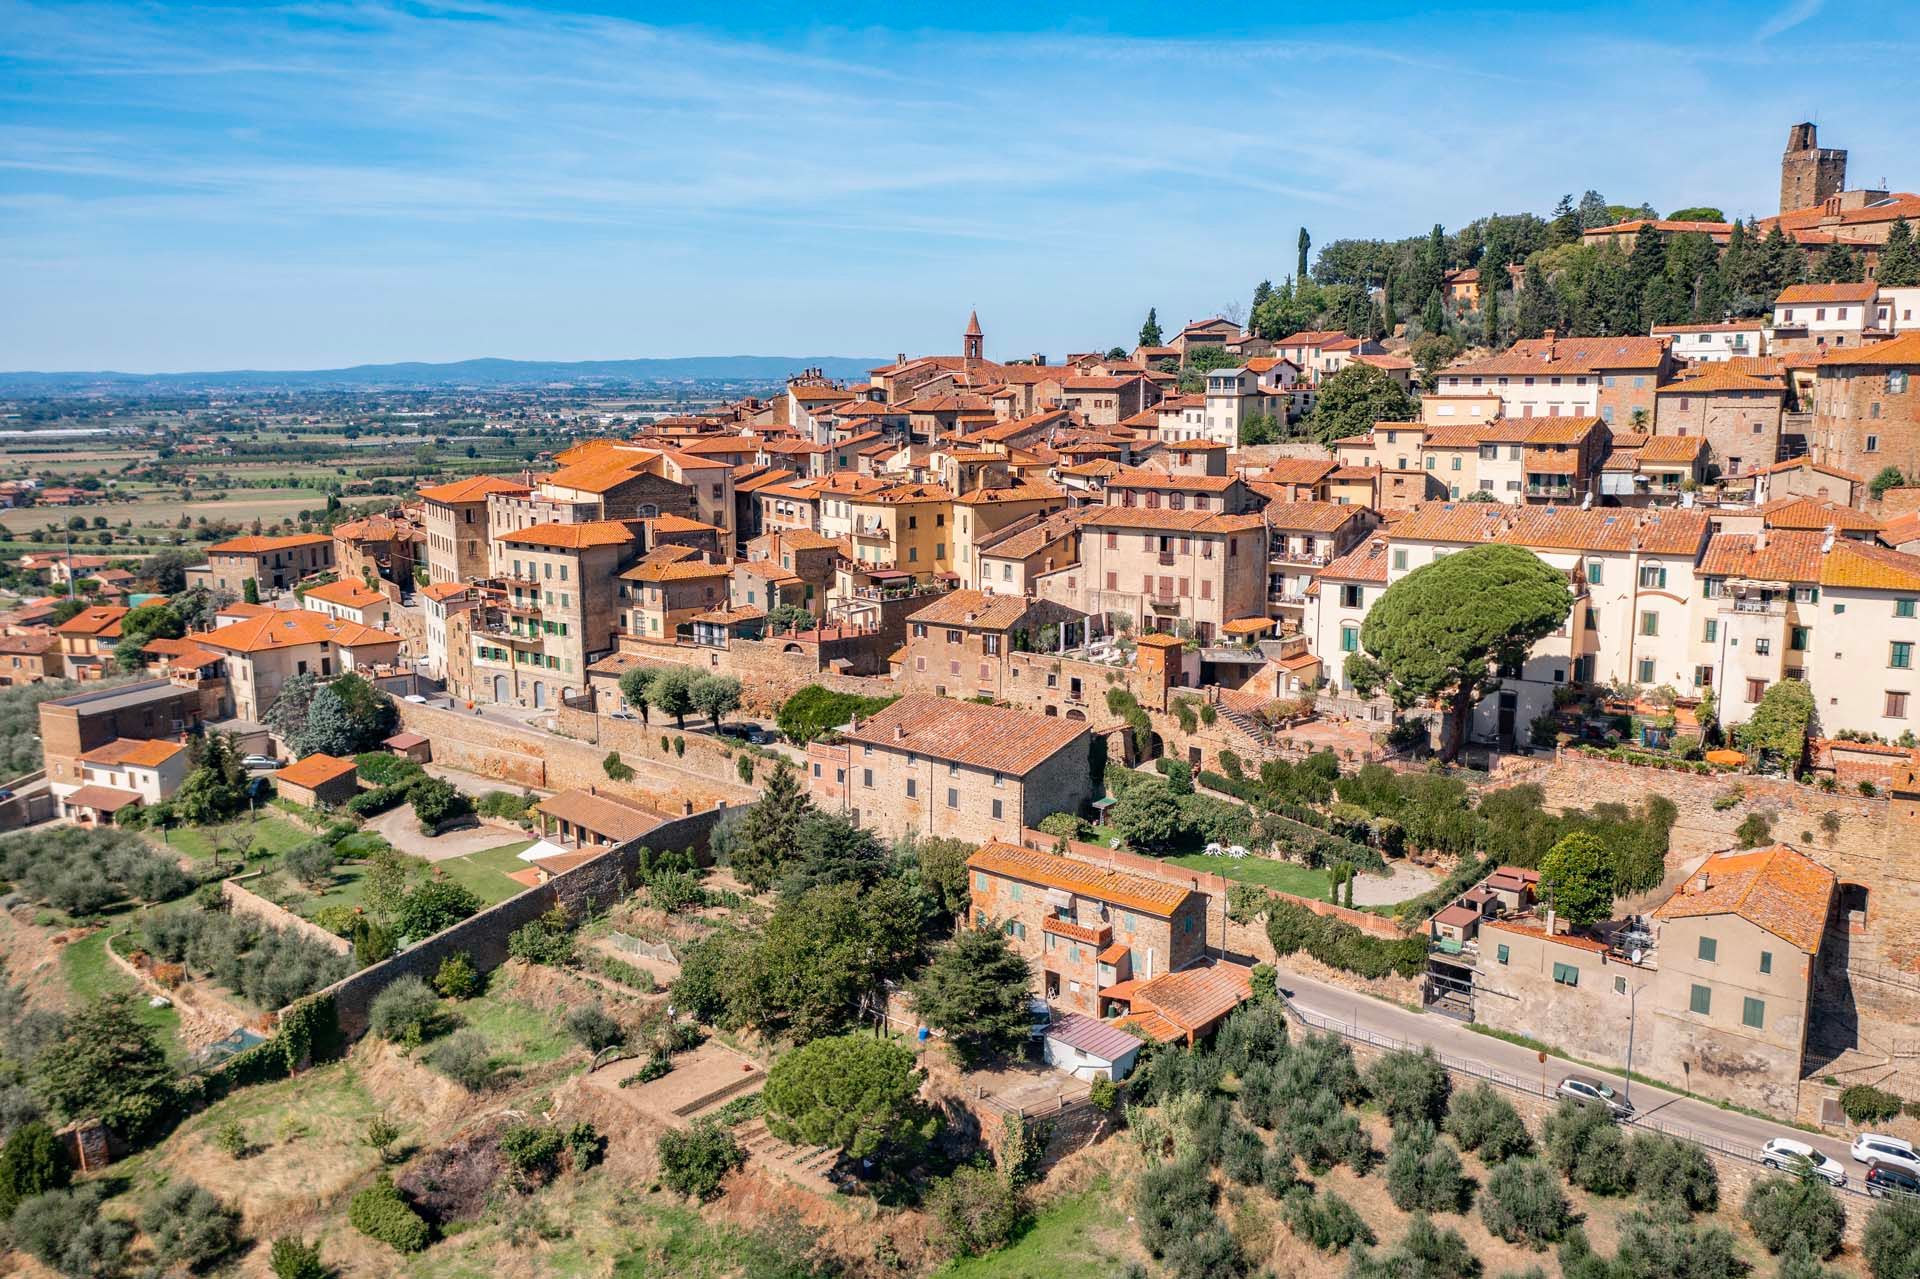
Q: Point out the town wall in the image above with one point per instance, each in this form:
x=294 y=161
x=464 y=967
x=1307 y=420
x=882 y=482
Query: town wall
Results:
x=523 y=756
x=768 y=672
x=483 y=937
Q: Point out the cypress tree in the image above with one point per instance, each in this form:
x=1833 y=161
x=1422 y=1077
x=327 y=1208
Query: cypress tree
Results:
x=1150 y=331
x=1433 y=317
x=1535 y=312
x=1489 y=315
x=1305 y=242
x=1899 y=260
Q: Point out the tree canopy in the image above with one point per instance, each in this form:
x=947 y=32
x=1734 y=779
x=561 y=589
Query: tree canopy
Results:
x=855 y=1093
x=1577 y=878
x=976 y=991
x=1445 y=631
x=1356 y=397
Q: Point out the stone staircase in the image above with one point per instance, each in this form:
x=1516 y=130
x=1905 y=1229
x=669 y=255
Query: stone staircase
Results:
x=1253 y=729
x=805 y=1166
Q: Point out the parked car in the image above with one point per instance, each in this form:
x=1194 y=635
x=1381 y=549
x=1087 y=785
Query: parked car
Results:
x=623 y=713
x=259 y=761
x=1587 y=1088
x=1877 y=1149
x=1885 y=1179
x=416 y=699
x=1785 y=1152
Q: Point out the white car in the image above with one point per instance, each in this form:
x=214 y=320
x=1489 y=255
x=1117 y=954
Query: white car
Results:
x=416 y=699
x=1874 y=1149
x=1587 y=1088
x=1791 y=1155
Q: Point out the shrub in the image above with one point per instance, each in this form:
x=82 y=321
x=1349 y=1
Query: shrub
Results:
x=974 y=1211
x=271 y=967
x=188 y=1226
x=230 y=1139
x=1585 y=1144
x=294 y=1258
x=381 y=1133
x=1784 y=1208
x=1063 y=825
x=435 y=803
x=383 y=768
x=407 y=1013
x=66 y=1230
x=1523 y=1204
x=457 y=978
x=1424 y=1250
x=1423 y=1172
x=594 y=1028
x=1326 y=1221
x=1667 y=1170
x=1411 y=1087
x=1480 y=1119
x=532 y=1150
x=505 y=804
x=1891 y=1244
x=380 y=1213
x=311 y=863
x=585 y=1146
x=694 y=1161
x=33 y=1161
x=617 y=769
x=1103 y=1093
x=675 y=890
x=547 y=940
x=464 y=1058
x=1339 y=944
x=1865 y=1104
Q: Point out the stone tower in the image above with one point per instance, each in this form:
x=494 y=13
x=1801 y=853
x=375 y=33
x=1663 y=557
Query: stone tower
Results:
x=973 y=340
x=1809 y=173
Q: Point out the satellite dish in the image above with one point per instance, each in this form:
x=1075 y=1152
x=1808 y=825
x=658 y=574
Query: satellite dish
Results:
x=1634 y=958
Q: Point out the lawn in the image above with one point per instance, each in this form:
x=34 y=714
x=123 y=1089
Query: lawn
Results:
x=271 y=835
x=1066 y=1241
x=485 y=873
x=90 y=974
x=1268 y=872
x=519 y=1034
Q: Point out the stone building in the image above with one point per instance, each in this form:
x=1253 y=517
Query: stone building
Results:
x=266 y=651
x=560 y=613
x=455 y=519
x=72 y=726
x=1085 y=930
x=961 y=644
x=1810 y=174
x=1737 y=413
x=933 y=766
x=318 y=780
x=271 y=563
x=379 y=548
x=1866 y=407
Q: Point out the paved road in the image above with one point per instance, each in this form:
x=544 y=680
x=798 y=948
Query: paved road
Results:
x=1453 y=1039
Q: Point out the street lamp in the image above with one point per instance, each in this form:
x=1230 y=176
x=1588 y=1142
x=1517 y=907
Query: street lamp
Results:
x=1633 y=998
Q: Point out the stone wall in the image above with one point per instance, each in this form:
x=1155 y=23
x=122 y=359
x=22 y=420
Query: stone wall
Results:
x=768 y=674
x=483 y=937
x=522 y=756
x=243 y=901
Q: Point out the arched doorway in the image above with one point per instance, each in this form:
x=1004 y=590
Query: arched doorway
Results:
x=499 y=688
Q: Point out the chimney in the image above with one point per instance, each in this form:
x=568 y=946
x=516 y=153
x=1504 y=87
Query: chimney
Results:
x=1826 y=543
x=1760 y=540
x=1552 y=923
x=899 y=732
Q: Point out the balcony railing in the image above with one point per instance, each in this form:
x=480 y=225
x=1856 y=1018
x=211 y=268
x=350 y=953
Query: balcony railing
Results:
x=1280 y=555
x=1089 y=934
x=1763 y=607
x=1286 y=597
x=1166 y=558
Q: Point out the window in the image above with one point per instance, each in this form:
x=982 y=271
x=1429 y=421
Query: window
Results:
x=1873 y=444
x=1646 y=670
x=1701 y=1000
x=1766 y=961
x=1502 y=953
x=1896 y=707
x=1349 y=639
x=1712 y=631
x=1653 y=576
x=1797 y=639
x=1593 y=572
x=996 y=810
x=1903 y=608
x=866 y=778
x=1400 y=559
x=1566 y=975
x=953 y=797
x=1709 y=950
x=1619 y=985
x=1014 y=892
x=1756 y=689
x=1900 y=655
x=1649 y=623
x=979 y=881
x=1753 y=1012
x=912 y=788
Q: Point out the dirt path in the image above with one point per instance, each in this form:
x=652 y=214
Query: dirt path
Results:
x=1406 y=880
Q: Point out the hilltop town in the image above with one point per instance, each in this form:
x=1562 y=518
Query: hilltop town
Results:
x=1210 y=807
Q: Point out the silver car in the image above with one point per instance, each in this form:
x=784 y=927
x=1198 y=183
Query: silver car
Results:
x=1877 y=1149
x=1587 y=1088
x=1792 y=1156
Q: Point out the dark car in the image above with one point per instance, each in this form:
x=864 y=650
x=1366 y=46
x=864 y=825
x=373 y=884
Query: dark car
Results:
x=1887 y=1180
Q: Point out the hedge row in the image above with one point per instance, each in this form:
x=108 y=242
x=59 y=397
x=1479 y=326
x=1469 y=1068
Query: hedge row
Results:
x=1338 y=944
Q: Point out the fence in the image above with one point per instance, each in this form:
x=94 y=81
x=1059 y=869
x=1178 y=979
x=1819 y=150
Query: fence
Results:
x=1721 y=1146
x=1070 y=1097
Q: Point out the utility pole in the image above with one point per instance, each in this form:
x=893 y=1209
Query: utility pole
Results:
x=1633 y=998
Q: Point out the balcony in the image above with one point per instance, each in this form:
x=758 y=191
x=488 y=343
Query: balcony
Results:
x=1286 y=599
x=510 y=635
x=1091 y=935
x=514 y=580
x=1311 y=558
x=1762 y=608
x=523 y=608
x=1166 y=558
x=1170 y=603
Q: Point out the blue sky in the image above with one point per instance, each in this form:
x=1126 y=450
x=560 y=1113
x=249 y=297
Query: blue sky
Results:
x=255 y=185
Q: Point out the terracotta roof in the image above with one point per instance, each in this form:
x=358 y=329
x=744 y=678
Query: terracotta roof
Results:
x=378 y=528
x=1163 y=481
x=1816 y=513
x=314 y=770
x=1027 y=492
x=611 y=816
x=405 y=741
x=573 y=537
x=350 y=594
x=676 y=571
x=987 y=737
x=1779 y=889
x=285 y=628
x=473 y=489
x=1716 y=378
x=1898 y=204
x=1632 y=226
x=1904 y=349
x=138 y=754
x=443 y=591
x=1312 y=517
x=1298 y=470
x=101 y=620
x=1535 y=926
x=1901 y=529
x=1864 y=566
x=1195 y=998
x=102 y=799
x=1807 y=464
x=1366 y=562
x=1796 y=294
x=1731 y=326
x=1177 y=521
x=973 y=608
x=1537 y=356
x=1660 y=532
x=671 y=523
x=254 y=545
x=1672 y=448
x=1787 y=556
x=1118 y=888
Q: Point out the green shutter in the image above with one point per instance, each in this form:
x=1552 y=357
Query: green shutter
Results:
x=1754 y=1013
x=1701 y=1001
x=1501 y=952
x=1709 y=949
x=1766 y=961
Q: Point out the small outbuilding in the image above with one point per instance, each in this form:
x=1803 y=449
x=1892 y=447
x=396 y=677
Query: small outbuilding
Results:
x=317 y=780
x=411 y=746
x=1087 y=1048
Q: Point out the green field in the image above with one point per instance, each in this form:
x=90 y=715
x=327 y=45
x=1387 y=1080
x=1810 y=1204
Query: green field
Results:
x=237 y=505
x=1063 y=1242
x=90 y=974
x=270 y=835
x=482 y=873
x=485 y=873
x=1286 y=877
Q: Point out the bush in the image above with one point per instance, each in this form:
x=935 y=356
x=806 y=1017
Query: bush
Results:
x=1423 y=1172
x=407 y=1013
x=1326 y=1221
x=506 y=805
x=815 y=710
x=1784 y=1208
x=1523 y=1204
x=311 y=863
x=1339 y=944
x=457 y=978
x=33 y=1161
x=84 y=871
x=1425 y=1250
x=1891 y=1244
x=1103 y=1093
x=269 y=966
x=380 y=1213
x=1411 y=1087
x=189 y=1227
x=1667 y=1170
x=1865 y=1104
x=694 y=1161
x=594 y=1028
x=383 y=768
x=547 y=940
x=616 y=769
x=66 y=1230
x=974 y=1211
x=371 y=803
x=294 y=1258
x=1585 y=1144
x=1063 y=825
x=532 y=1150
x=435 y=803
x=1480 y=1119
x=464 y=1058
x=585 y=1146
x=231 y=1139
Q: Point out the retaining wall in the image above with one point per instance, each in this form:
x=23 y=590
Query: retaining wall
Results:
x=483 y=937
x=243 y=901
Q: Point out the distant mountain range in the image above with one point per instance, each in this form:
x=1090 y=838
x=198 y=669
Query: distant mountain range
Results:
x=488 y=373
